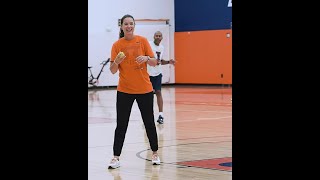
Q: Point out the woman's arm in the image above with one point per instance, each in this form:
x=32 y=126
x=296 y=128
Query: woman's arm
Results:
x=114 y=65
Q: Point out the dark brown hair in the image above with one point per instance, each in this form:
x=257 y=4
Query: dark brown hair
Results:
x=121 y=34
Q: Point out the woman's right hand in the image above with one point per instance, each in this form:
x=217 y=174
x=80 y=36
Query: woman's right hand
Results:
x=120 y=57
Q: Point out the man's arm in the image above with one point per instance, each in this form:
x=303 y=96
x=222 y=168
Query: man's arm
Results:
x=171 y=61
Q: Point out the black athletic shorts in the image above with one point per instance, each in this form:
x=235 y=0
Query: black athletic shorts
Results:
x=156 y=82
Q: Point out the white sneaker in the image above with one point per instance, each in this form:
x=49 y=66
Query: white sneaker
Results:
x=115 y=163
x=155 y=159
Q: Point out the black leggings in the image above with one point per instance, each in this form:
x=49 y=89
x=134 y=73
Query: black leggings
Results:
x=124 y=106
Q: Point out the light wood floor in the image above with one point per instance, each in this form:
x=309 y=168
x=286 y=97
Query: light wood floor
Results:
x=197 y=127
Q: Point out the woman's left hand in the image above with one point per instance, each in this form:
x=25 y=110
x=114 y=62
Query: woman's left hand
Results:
x=141 y=59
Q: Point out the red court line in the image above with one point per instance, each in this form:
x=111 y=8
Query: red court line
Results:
x=209 y=163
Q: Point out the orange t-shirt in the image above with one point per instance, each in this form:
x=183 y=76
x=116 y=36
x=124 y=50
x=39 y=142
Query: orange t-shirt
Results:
x=133 y=78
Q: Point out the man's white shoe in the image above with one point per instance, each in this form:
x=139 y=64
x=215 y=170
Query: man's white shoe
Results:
x=115 y=163
x=155 y=159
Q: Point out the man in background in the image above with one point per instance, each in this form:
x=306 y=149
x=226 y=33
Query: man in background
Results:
x=155 y=72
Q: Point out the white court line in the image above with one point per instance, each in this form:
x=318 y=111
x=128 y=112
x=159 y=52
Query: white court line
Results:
x=204 y=111
x=201 y=119
x=214 y=118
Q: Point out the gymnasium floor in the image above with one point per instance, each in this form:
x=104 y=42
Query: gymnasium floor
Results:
x=195 y=141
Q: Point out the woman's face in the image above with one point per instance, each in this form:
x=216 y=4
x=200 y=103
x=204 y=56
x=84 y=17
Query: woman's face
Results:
x=128 y=26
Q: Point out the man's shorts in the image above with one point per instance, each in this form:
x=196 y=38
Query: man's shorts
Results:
x=156 y=82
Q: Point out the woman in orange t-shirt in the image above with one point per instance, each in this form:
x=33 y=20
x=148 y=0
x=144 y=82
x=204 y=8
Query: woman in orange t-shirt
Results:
x=130 y=55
